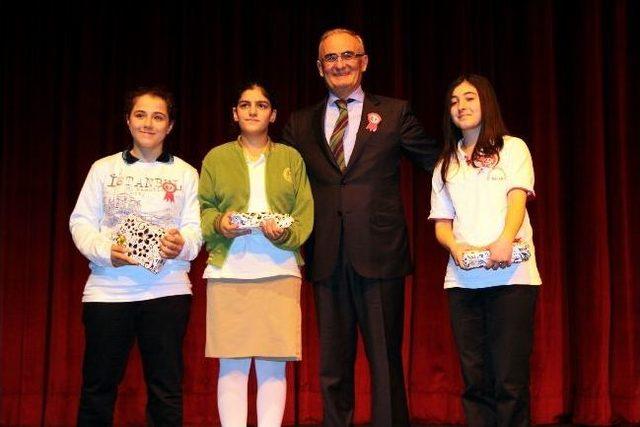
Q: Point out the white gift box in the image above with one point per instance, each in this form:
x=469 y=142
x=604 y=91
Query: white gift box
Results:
x=255 y=219
x=478 y=258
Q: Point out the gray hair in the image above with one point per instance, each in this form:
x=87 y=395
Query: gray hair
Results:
x=341 y=31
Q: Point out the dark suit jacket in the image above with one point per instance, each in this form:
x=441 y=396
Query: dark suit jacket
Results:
x=365 y=200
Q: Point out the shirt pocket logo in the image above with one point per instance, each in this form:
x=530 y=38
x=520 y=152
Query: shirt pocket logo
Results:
x=496 y=174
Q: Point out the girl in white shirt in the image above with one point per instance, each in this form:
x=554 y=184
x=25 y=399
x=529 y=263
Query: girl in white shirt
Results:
x=478 y=201
x=123 y=302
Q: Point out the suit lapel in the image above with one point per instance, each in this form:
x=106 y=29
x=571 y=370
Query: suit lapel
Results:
x=362 y=137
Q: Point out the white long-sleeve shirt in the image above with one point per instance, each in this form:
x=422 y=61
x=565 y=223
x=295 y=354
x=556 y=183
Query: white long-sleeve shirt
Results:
x=162 y=193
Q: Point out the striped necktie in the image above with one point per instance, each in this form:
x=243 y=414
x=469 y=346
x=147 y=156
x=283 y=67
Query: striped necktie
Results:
x=335 y=143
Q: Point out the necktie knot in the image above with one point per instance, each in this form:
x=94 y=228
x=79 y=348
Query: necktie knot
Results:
x=342 y=104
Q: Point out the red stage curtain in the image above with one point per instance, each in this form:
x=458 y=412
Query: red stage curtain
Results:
x=566 y=76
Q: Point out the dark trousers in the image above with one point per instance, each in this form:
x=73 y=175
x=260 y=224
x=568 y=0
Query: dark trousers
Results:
x=159 y=326
x=493 y=329
x=343 y=302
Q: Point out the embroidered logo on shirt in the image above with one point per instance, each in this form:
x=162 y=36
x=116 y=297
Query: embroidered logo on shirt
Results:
x=286 y=174
x=497 y=174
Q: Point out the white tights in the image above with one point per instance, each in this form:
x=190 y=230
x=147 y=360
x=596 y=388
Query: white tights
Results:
x=232 y=392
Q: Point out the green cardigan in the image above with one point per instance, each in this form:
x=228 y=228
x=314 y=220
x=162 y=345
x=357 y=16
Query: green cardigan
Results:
x=224 y=186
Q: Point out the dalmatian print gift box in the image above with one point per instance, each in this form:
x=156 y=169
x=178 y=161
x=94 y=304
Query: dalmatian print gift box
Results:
x=255 y=219
x=142 y=241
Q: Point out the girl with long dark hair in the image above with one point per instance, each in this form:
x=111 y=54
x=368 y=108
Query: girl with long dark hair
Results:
x=478 y=202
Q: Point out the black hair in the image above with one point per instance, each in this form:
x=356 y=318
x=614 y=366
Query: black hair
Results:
x=264 y=89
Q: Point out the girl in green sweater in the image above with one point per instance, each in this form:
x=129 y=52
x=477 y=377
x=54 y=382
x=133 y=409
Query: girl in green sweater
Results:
x=253 y=274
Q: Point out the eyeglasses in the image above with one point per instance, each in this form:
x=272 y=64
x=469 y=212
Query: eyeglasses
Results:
x=346 y=56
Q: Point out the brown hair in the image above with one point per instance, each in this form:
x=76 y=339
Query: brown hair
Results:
x=263 y=88
x=157 y=91
x=492 y=128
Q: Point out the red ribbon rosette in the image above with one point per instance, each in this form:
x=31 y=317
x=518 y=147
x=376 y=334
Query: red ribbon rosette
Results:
x=373 y=120
x=483 y=161
x=169 y=188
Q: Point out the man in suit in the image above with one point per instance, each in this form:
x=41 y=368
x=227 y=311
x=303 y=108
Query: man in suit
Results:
x=351 y=142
